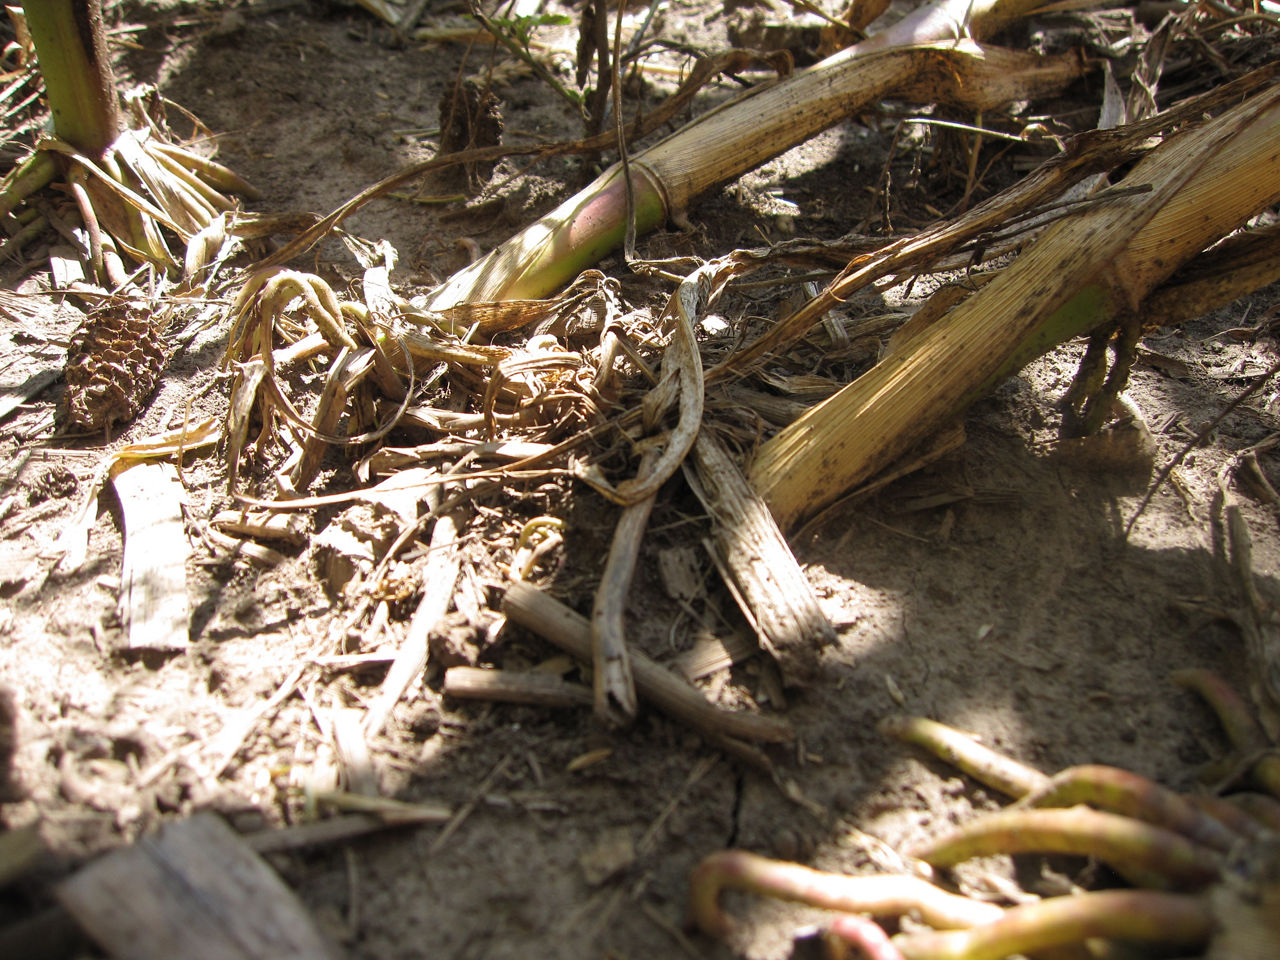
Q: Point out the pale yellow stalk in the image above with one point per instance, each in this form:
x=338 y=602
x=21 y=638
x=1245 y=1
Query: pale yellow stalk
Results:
x=1084 y=271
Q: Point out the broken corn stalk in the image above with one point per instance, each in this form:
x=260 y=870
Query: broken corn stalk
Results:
x=126 y=181
x=926 y=56
x=1088 y=270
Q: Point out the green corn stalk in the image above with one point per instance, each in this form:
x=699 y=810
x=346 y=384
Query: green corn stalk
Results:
x=71 y=49
x=127 y=183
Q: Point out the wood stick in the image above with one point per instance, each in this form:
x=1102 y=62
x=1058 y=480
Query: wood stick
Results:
x=440 y=576
x=612 y=680
x=153 y=580
x=511 y=686
x=354 y=759
x=530 y=607
x=777 y=597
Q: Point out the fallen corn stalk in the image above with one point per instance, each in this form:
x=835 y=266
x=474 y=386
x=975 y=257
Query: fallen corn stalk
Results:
x=528 y=606
x=927 y=56
x=1085 y=272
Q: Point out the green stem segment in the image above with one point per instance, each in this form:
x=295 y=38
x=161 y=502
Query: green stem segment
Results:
x=1238 y=723
x=71 y=48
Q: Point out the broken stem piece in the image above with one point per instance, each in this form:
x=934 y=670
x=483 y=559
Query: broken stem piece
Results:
x=528 y=606
x=778 y=598
x=993 y=769
x=439 y=578
x=512 y=686
x=612 y=680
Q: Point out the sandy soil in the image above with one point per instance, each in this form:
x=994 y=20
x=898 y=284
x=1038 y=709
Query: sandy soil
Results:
x=995 y=591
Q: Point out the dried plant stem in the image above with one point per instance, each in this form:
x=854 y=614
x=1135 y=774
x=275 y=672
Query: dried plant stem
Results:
x=528 y=606
x=411 y=659
x=511 y=686
x=612 y=681
x=1238 y=265
x=1083 y=272
x=1260 y=625
x=885 y=896
x=994 y=769
x=1145 y=854
x=332 y=830
x=749 y=130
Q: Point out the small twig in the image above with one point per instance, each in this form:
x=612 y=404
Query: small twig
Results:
x=701 y=73
x=1195 y=441
x=522 y=52
x=615 y=688
x=469 y=807
x=321 y=832
x=528 y=606
x=511 y=686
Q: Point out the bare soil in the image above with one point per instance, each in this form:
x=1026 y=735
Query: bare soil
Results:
x=995 y=590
